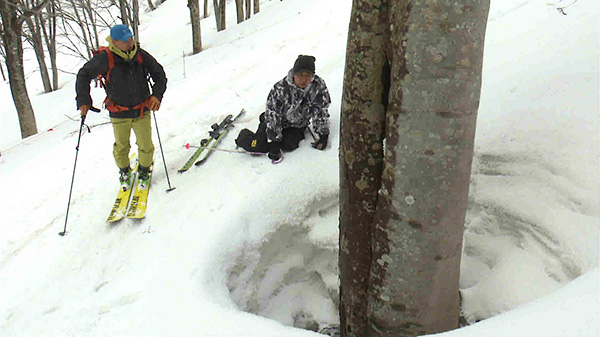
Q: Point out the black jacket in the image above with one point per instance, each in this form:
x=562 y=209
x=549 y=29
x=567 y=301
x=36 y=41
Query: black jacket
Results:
x=128 y=85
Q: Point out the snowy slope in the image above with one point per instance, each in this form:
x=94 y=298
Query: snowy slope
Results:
x=240 y=234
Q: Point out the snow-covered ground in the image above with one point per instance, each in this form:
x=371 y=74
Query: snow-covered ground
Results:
x=241 y=238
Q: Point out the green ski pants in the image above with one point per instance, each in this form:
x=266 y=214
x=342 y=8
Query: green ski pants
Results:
x=142 y=127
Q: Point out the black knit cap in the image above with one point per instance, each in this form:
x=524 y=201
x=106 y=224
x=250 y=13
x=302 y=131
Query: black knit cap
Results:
x=305 y=62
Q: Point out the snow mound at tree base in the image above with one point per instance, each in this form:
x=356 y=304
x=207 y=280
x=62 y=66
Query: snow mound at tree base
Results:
x=292 y=275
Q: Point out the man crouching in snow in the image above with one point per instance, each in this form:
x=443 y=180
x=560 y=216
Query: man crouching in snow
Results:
x=295 y=101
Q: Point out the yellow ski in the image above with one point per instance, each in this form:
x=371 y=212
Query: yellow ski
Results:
x=120 y=205
x=137 y=206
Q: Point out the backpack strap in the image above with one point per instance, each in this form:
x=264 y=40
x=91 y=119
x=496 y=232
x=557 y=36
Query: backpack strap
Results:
x=111 y=63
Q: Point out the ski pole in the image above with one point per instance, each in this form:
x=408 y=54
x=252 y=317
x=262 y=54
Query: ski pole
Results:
x=162 y=153
x=73 y=178
x=188 y=146
x=311 y=133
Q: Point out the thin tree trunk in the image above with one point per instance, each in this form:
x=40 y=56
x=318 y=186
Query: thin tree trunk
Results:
x=84 y=30
x=248 y=9
x=219 y=7
x=89 y=15
x=205 y=9
x=135 y=20
x=48 y=27
x=2 y=71
x=256 y=6
x=239 y=6
x=124 y=12
x=151 y=5
x=36 y=42
x=11 y=37
x=194 y=7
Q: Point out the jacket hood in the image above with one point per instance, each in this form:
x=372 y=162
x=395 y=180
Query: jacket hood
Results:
x=126 y=56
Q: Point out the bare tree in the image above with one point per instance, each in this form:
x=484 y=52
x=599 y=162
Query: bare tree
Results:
x=239 y=6
x=205 y=9
x=130 y=15
x=256 y=6
x=80 y=21
x=33 y=35
x=13 y=14
x=219 y=6
x=194 y=6
x=248 y=9
x=123 y=7
x=2 y=72
x=2 y=53
x=409 y=106
x=48 y=25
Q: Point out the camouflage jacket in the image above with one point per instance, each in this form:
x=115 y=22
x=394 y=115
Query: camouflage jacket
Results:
x=291 y=106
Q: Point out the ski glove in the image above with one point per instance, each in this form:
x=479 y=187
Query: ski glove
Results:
x=274 y=151
x=321 y=144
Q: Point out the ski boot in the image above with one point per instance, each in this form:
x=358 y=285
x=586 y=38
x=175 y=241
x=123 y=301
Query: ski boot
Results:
x=125 y=178
x=144 y=175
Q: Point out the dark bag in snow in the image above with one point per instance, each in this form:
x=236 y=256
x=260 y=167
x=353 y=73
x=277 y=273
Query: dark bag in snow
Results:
x=252 y=142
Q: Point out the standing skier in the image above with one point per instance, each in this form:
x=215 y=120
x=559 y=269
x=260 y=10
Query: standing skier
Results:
x=125 y=69
x=294 y=101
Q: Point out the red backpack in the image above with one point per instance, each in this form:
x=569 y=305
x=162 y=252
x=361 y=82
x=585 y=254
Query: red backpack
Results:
x=111 y=64
x=103 y=80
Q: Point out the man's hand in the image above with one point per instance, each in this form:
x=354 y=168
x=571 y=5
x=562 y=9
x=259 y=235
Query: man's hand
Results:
x=153 y=103
x=321 y=144
x=84 y=109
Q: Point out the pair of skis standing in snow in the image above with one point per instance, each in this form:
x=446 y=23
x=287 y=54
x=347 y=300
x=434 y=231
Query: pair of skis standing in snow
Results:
x=125 y=70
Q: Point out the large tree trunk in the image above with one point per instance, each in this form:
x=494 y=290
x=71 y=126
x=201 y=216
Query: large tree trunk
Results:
x=11 y=37
x=415 y=230
x=194 y=6
x=361 y=158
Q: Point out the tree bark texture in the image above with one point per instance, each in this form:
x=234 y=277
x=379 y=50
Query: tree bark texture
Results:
x=219 y=6
x=361 y=157
x=11 y=37
x=239 y=7
x=194 y=6
x=248 y=4
x=431 y=52
x=49 y=32
x=123 y=7
x=35 y=38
